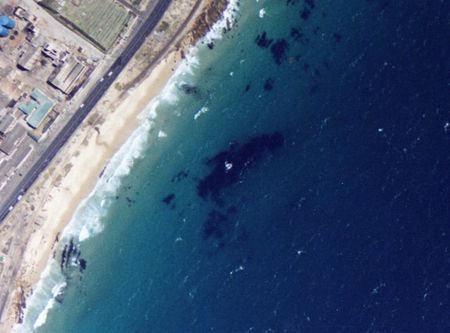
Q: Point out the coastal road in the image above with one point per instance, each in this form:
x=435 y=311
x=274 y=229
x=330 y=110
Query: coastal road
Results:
x=89 y=103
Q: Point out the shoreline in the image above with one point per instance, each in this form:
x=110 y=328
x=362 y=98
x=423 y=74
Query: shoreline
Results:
x=93 y=146
x=61 y=188
x=98 y=147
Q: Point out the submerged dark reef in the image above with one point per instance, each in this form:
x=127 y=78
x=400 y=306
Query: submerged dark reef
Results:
x=190 y=90
x=213 y=226
x=71 y=256
x=229 y=165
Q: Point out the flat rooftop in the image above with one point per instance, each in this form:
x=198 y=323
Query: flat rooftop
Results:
x=6 y=122
x=68 y=75
x=12 y=139
x=37 y=108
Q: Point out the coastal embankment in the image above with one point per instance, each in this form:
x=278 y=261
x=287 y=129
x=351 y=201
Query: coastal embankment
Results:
x=32 y=232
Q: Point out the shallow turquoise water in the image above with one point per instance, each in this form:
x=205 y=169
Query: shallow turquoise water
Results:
x=339 y=226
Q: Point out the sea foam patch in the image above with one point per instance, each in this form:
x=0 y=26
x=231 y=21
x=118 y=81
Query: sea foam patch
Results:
x=262 y=13
x=88 y=218
x=49 y=287
x=200 y=112
x=42 y=318
x=225 y=23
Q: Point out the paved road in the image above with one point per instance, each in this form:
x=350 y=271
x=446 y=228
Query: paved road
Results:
x=91 y=100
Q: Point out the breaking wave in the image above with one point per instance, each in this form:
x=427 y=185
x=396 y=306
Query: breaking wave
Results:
x=88 y=218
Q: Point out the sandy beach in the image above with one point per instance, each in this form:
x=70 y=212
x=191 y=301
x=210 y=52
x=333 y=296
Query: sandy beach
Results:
x=88 y=153
x=75 y=172
x=71 y=176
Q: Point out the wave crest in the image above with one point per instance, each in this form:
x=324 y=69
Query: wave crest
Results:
x=88 y=218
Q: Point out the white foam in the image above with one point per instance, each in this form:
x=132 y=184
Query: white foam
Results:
x=200 y=112
x=228 y=166
x=227 y=21
x=87 y=220
x=262 y=12
x=50 y=285
x=42 y=318
x=170 y=93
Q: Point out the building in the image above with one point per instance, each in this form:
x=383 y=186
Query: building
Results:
x=23 y=14
x=50 y=51
x=68 y=76
x=37 y=108
x=4 y=32
x=32 y=31
x=21 y=154
x=6 y=171
x=6 y=24
x=57 y=55
x=28 y=57
x=12 y=140
x=6 y=123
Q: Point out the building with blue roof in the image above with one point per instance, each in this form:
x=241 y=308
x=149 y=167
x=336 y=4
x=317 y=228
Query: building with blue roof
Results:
x=37 y=108
x=4 y=32
x=6 y=24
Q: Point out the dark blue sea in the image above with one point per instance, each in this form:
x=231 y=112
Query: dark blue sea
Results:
x=293 y=176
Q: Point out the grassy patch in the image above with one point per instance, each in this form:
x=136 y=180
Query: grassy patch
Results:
x=99 y=21
x=163 y=26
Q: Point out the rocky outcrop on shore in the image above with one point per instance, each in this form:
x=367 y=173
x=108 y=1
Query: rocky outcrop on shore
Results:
x=71 y=257
x=161 y=42
x=183 y=25
x=20 y=304
x=211 y=12
x=203 y=23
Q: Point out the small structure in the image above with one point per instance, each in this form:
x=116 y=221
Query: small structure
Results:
x=4 y=98
x=5 y=124
x=32 y=31
x=20 y=12
x=13 y=138
x=6 y=170
x=37 y=108
x=28 y=57
x=57 y=55
x=50 y=51
x=23 y=14
x=66 y=77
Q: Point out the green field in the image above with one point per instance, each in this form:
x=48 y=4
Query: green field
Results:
x=99 y=21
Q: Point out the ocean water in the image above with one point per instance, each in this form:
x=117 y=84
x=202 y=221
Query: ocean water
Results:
x=293 y=176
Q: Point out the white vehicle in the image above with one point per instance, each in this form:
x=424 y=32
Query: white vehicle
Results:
x=81 y=106
x=19 y=197
x=110 y=73
x=101 y=80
